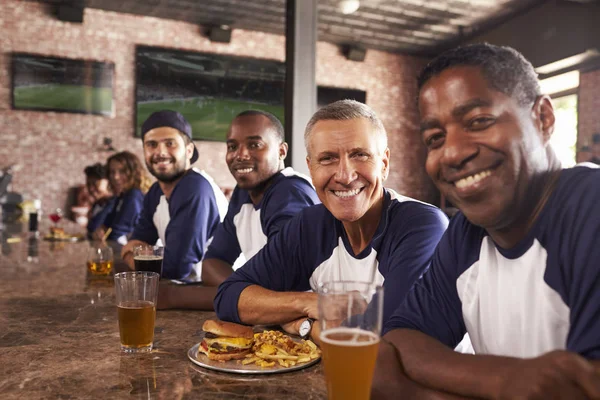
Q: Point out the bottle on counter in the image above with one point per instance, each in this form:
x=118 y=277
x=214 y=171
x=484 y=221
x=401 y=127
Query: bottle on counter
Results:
x=34 y=218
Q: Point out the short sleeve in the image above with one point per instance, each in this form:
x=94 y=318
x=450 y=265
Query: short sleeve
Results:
x=432 y=306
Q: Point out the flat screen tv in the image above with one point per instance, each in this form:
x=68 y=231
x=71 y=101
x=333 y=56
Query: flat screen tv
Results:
x=48 y=83
x=208 y=89
x=326 y=95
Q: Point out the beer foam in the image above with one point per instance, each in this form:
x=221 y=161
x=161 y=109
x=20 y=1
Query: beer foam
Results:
x=354 y=337
x=147 y=257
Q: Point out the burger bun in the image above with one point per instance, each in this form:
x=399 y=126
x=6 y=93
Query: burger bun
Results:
x=227 y=329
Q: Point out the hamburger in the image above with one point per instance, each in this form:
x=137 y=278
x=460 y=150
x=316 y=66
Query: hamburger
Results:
x=225 y=341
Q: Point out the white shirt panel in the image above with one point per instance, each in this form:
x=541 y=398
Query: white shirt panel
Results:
x=249 y=230
x=507 y=306
x=342 y=266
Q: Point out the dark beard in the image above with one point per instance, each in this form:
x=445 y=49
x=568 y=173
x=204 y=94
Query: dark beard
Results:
x=166 y=177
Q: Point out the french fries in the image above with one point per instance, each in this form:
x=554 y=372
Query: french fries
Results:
x=274 y=347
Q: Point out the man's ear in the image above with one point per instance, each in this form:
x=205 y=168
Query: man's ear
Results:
x=283 y=150
x=385 y=158
x=543 y=112
x=189 y=151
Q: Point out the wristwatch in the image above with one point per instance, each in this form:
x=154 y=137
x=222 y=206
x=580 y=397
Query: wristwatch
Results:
x=306 y=328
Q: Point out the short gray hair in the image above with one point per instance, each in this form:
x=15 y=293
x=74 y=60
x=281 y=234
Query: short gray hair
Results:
x=344 y=110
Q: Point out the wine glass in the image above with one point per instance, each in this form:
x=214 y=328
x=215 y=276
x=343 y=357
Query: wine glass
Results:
x=56 y=216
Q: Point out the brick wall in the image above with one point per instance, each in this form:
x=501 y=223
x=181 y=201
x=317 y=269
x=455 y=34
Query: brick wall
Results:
x=588 y=107
x=51 y=149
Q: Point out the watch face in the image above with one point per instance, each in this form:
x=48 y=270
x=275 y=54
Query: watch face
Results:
x=304 y=328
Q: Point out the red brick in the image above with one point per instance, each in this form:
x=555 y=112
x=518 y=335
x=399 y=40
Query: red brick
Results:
x=53 y=148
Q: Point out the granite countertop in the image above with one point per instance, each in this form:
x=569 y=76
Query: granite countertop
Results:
x=59 y=338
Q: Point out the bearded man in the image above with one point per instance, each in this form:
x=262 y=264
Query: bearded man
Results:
x=184 y=206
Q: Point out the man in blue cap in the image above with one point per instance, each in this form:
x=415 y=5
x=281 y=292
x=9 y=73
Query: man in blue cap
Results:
x=184 y=206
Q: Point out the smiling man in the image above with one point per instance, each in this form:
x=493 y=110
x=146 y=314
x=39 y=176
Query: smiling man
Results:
x=184 y=206
x=267 y=195
x=362 y=231
x=518 y=267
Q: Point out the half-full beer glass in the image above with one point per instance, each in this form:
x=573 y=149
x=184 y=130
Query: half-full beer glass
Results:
x=148 y=258
x=351 y=315
x=136 y=304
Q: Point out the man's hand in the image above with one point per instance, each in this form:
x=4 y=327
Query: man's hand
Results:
x=310 y=306
x=556 y=375
x=293 y=327
x=127 y=252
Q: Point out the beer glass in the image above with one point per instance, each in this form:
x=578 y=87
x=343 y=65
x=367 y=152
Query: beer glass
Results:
x=350 y=315
x=136 y=304
x=147 y=257
x=100 y=259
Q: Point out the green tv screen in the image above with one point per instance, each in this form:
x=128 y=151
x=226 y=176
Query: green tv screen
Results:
x=46 y=83
x=208 y=89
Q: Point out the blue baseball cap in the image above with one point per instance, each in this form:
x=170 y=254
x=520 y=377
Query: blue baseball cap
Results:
x=171 y=119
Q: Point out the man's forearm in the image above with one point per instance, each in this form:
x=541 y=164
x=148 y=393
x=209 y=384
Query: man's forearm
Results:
x=191 y=297
x=433 y=365
x=258 y=305
x=215 y=271
x=390 y=380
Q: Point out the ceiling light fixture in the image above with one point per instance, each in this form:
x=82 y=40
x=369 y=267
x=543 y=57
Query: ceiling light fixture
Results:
x=348 y=6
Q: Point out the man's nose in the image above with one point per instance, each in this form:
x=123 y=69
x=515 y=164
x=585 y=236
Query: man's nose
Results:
x=346 y=172
x=161 y=148
x=242 y=153
x=458 y=148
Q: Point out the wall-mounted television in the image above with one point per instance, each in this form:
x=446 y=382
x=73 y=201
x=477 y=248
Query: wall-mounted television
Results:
x=208 y=89
x=46 y=83
x=211 y=89
x=326 y=95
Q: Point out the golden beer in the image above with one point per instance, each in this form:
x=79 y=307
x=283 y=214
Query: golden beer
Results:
x=349 y=356
x=136 y=324
x=100 y=267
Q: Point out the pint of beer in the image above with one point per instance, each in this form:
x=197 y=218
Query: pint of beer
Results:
x=136 y=309
x=148 y=258
x=351 y=316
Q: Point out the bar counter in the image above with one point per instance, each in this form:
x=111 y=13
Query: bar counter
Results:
x=60 y=338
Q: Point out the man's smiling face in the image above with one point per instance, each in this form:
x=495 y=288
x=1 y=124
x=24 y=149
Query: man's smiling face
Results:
x=255 y=151
x=484 y=148
x=347 y=166
x=166 y=154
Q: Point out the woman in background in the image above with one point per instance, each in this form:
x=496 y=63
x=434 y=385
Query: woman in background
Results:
x=129 y=183
x=96 y=181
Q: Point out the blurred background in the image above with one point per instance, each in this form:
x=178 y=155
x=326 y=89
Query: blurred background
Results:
x=78 y=77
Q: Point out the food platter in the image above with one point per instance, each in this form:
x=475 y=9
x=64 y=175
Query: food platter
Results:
x=65 y=238
x=236 y=367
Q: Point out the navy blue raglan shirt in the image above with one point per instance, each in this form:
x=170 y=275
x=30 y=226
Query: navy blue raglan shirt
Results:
x=184 y=224
x=312 y=248
x=247 y=227
x=541 y=295
x=99 y=213
x=124 y=215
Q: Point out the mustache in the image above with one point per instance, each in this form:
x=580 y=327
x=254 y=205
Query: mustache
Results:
x=160 y=159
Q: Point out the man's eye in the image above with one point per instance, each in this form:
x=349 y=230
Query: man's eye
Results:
x=326 y=160
x=254 y=145
x=434 y=141
x=231 y=147
x=480 y=123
